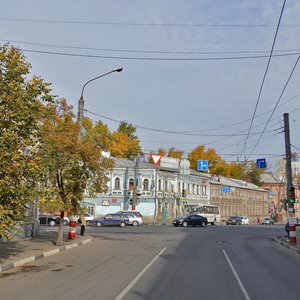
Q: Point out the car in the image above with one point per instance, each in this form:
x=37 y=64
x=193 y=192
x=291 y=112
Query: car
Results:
x=51 y=220
x=234 y=220
x=111 y=220
x=190 y=220
x=268 y=221
x=135 y=218
x=245 y=220
x=88 y=217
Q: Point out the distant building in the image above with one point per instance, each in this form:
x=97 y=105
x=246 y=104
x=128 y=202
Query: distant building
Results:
x=277 y=194
x=239 y=198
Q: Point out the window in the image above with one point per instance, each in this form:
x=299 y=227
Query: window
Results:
x=131 y=184
x=159 y=185
x=146 y=185
x=117 y=184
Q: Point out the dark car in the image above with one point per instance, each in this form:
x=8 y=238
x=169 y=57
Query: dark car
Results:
x=49 y=220
x=190 y=220
x=234 y=220
x=111 y=220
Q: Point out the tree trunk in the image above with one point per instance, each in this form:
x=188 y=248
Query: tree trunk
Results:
x=60 y=233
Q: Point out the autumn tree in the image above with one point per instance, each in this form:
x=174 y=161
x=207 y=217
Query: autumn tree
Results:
x=124 y=142
x=21 y=95
x=216 y=164
x=175 y=153
x=73 y=167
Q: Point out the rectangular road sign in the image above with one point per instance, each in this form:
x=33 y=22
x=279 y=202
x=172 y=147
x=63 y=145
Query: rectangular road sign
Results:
x=261 y=163
x=202 y=165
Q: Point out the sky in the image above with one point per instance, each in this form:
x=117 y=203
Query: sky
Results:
x=219 y=73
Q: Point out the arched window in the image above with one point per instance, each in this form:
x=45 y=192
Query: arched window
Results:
x=159 y=185
x=117 y=184
x=146 y=185
x=131 y=184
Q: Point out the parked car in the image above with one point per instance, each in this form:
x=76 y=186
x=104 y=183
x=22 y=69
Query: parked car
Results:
x=245 y=220
x=88 y=217
x=190 y=220
x=51 y=220
x=111 y=220
x=135 y=218
x=268 y=221
x=234 y=220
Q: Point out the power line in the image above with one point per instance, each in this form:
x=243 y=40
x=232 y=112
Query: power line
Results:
x=284 y=88
x=139 y=24
x=264 y=77
x=167 y=131
x=158 y=58
x=147 y=51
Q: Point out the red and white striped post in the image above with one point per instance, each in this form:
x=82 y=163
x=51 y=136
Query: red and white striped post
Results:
x=293 y=238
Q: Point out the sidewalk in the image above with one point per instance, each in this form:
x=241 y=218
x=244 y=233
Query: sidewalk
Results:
x=283 y=241
x=19 y=252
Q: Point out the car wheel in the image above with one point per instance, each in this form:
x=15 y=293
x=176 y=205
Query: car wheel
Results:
x=122 y=224
x=52 y=223
x=203 y=224
x=175 y=225
x=98 y=224
x=184 y=224
x=135 y=223
x=65 y=222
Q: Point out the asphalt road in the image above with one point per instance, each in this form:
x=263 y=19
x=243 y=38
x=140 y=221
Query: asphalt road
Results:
x=164 y=262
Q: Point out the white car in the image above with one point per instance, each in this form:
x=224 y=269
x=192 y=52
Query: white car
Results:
x=88 y=217
x=245 y=220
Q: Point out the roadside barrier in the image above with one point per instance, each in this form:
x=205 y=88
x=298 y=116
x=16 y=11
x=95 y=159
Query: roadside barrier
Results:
x=293 y=238
x=72 y=229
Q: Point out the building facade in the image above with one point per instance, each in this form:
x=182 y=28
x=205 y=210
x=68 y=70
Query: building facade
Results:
x=239 y=198
x=172 y=189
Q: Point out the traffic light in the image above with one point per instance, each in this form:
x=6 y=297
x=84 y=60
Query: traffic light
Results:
x=292 y=195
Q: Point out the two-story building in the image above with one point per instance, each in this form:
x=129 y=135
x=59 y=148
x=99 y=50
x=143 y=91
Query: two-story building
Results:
x=172 y=186
x=239 y=198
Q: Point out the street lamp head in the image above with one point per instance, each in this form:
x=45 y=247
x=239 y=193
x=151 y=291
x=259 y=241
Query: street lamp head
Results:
x=118 y=69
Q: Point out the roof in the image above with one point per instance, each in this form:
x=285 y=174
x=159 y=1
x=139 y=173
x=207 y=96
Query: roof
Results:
x=237 y=183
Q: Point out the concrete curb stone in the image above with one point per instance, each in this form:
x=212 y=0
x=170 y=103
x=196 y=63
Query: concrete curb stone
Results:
x=287 y=244
x=29 y=259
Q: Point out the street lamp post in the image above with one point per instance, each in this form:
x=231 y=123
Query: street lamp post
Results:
x=81 y=101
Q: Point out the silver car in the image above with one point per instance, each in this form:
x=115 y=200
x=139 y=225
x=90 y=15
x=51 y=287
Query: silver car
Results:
x=135 y=218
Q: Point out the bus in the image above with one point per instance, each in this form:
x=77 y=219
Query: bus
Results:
x=211 y=212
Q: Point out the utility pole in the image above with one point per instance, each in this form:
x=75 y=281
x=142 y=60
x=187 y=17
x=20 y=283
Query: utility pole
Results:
x=136 y=169
x=289 y=179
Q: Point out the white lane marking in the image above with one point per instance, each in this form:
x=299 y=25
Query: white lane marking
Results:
x=236 y=276
x=135 y=280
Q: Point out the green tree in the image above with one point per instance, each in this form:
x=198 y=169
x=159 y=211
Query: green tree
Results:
x=254 y=174
x=20 y=109
x=73 y=167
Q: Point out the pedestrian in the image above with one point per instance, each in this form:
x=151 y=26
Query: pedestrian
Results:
x=83 y=224
x=258 y=220
x=287 y=230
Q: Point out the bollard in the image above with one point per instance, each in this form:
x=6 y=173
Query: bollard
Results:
x=72 y=229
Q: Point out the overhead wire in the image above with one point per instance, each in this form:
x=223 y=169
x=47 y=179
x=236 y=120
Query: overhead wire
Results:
x=275 y=107
x=28 y=20
x=166 y=131
x=264 y=77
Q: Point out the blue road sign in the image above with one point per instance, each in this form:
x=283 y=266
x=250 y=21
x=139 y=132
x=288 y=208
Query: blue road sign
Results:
x=225 y=189
x=202 y=165
x=261 y=163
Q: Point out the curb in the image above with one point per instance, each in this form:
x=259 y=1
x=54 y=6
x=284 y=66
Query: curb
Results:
x=287 y=245
x=21 y=262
